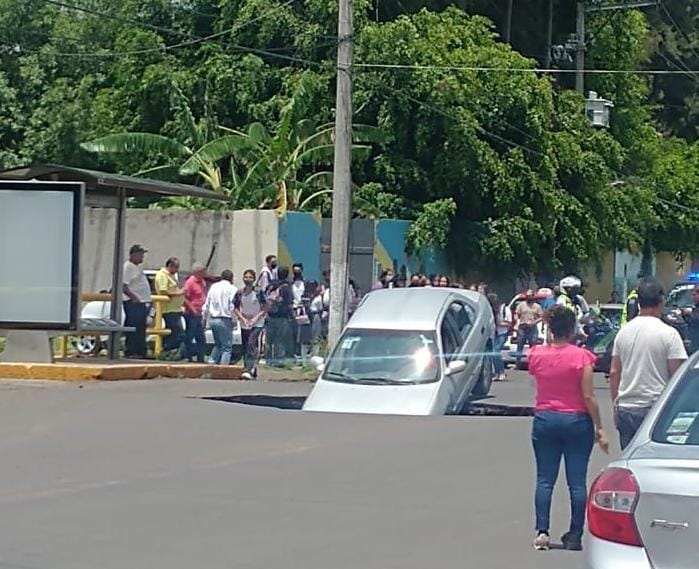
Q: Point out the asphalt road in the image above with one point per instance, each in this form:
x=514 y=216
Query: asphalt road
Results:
x=151 y=474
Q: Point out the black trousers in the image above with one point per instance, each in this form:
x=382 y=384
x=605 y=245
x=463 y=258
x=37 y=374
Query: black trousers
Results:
x=136 y=317
x=173 y=322
x=251 y=347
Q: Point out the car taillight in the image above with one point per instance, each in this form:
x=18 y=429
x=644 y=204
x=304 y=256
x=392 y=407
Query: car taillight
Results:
x=611 y=506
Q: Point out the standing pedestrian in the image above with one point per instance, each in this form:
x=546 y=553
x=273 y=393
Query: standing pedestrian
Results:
x=631 y=308
x=414 y=281
x=298 y=292
x=250 y=310
x=529 y=315
x=278 y=333
x=268 y=273
x=166 y=284
x=137 y=302
x=194 y=299
x=646 y=353
x=444 y=281
x=503 y=327
x=218 y=312
x=385 y=280
x=566 y=424
x=691 y=317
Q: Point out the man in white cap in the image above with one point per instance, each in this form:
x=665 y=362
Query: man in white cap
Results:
x=136 y=302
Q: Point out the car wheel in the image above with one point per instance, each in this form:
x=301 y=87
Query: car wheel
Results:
x=485 y=378
x=87 y=345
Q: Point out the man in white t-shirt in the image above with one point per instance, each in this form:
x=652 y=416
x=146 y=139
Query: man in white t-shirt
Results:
x=136 y=302
x=646 y=354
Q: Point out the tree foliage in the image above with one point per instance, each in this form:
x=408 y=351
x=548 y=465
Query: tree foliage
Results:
x=501 y=166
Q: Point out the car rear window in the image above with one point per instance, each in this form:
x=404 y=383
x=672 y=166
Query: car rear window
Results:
x=679 y=419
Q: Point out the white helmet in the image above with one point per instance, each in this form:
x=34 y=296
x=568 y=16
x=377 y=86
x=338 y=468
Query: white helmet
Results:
x=570 y=282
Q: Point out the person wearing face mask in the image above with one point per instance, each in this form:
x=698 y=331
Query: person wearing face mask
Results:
x=301 y=321
x=269 y=273
x=529 y=315
x=250 y=310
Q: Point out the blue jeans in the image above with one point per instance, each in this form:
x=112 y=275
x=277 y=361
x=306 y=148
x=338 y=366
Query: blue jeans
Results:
x=498 y=362
x=628 y=420
x=222 y=329
x=527 y=334
x=195 y=339
x=571 y=435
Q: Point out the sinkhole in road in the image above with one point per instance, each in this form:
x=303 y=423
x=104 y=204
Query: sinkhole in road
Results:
x=295 y=403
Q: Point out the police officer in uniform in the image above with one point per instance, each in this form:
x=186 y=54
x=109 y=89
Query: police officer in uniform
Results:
x=631 y=307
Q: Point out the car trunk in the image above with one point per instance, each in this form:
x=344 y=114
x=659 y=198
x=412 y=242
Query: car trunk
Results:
x=667 y=513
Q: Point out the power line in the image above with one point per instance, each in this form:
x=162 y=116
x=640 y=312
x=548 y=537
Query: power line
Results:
x=192 y=41
x=478 y=128
x=524 y=69
x=678 y=28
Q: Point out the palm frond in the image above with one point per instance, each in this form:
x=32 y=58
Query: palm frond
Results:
x=166 y=173
x=222 y=147
x=184 y=115
x=145 y=143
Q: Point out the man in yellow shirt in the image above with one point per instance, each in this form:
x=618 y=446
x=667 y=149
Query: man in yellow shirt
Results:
x=166 y=285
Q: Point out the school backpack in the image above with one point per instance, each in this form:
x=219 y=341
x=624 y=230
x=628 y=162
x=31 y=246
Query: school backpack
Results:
x=275 y=299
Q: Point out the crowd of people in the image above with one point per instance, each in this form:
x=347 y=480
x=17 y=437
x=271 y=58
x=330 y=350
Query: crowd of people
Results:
x=280 y=306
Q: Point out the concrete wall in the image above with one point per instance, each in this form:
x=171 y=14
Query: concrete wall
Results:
x=600 y=286
x=185 y=234
x=255 y=235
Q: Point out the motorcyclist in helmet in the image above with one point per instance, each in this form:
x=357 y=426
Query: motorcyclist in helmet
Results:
x=571 y=297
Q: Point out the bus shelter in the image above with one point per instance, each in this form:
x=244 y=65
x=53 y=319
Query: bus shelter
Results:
x=97 y=190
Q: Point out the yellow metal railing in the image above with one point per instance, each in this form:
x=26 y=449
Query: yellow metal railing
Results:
x=157 y=330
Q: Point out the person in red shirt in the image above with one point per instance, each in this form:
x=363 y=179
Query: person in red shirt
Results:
x=566 y=423
x=194 y=298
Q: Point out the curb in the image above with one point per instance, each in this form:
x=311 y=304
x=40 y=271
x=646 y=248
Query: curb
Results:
x=116 y=372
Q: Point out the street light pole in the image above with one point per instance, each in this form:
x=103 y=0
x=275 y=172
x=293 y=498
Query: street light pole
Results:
x=342 y=177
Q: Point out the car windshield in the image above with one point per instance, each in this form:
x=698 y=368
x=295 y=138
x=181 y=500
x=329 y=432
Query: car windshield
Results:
x=679 y=420
x=384 y=357
x=681 y=296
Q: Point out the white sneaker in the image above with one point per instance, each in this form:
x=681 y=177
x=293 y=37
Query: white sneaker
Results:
x=245 y=375
x=542 y=542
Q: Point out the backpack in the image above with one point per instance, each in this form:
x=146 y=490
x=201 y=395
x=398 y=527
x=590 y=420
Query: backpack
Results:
x=275 y=299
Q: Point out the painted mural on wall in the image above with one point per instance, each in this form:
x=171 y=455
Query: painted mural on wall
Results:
x=299 y=242
x=389 y=251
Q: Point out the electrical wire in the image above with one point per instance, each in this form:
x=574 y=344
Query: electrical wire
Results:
x=194 y=40
x=524 y=69
x=445 y=114
x=678 y=28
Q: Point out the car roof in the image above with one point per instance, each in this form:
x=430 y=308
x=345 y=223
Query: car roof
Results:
x=407 y=308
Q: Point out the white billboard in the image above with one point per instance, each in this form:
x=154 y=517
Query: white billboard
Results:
x=40 y=231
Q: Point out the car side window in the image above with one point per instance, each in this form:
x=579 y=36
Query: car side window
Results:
x=679 y=418
x=450 y=340
x=463 y=317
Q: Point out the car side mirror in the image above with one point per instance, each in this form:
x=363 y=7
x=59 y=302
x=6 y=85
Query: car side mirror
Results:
x=457 y=366
x=318 y=363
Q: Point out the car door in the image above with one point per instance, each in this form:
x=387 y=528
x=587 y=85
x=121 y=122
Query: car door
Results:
x=462 y=318
x=451 y=350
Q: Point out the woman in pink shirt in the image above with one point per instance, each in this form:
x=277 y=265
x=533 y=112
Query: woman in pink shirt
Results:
x=566 y=423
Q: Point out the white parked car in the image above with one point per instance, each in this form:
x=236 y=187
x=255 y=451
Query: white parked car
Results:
x=643 y=509
x=409 y=351
x=92 y=345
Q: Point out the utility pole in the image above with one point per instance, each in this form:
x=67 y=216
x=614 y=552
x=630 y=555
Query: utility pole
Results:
x=342 y=177
x=508 y=20
x=549 y=35
x=580 y=48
